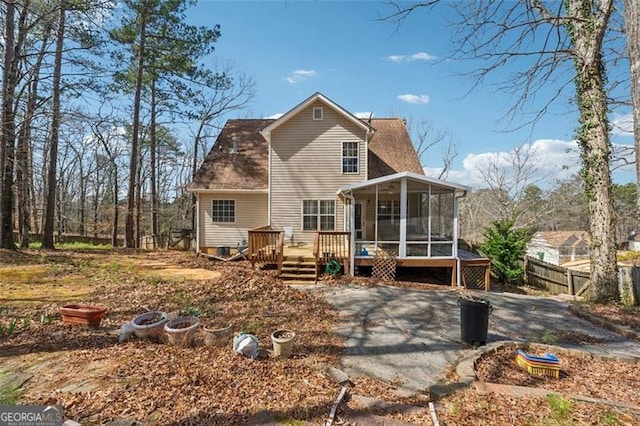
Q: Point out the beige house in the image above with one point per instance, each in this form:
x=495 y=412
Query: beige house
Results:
x=321 y=178
x=558 y=247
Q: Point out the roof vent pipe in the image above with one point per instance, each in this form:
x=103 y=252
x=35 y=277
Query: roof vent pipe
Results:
x=235 y=145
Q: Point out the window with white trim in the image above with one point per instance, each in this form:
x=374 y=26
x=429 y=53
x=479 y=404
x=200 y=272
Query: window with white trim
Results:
x=318 y=215
x=350 y=157
x=223 y=211
x=389 y=210
x=317 y=113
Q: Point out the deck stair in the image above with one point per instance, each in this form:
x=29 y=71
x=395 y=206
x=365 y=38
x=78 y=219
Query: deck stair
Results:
x=298 y=270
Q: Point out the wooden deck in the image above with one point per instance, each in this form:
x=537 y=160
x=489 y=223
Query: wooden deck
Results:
x=266 y=246
x=304 y=251
x=475 y=271
x=417 y=263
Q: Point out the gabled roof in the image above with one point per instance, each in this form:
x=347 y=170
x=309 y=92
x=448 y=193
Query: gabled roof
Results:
x=266 y=132
x=248 y=169
x=412 y=176
x=563 y=238
x=391 y=149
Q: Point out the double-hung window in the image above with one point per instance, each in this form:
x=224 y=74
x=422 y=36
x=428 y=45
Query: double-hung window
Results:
x=389 y=210
x=318 y=215
x=223 y=211
x=350 y=157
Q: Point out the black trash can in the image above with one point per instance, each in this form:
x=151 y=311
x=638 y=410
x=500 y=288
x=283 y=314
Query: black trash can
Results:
x=474 y=320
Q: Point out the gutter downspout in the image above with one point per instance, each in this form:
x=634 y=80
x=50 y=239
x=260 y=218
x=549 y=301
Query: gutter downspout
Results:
x=352 y=230
x=197 y=224
x=455 y=235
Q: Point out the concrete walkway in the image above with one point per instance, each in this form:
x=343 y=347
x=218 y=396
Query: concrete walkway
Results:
x=409 y=337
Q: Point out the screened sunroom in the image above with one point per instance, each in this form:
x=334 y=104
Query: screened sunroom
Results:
x=410 y=216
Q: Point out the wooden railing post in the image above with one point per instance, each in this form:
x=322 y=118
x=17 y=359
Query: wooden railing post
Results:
x=336 y=245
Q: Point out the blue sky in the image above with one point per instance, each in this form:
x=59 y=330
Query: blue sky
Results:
x=293 y=49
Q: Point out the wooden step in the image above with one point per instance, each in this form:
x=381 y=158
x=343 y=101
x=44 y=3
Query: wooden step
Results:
x=299 y=259
x=290 y=264
x=296 y=270
x=298 y=276
x=294 y=283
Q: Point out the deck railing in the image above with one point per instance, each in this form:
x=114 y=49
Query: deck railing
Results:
x=328 y=245
x=266 y=246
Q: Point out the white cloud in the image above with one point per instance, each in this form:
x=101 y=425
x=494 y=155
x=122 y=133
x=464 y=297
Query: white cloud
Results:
x=414 y=99
x=420 y=56
x=275 y=116
x=554 y=159
x=300 y=75
x=363 y=114
x=622 y=125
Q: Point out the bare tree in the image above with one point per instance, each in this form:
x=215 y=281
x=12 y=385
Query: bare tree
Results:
x=105 y=131
x=426 y=138
x=23 y=172
x=49 y=216
x=7 y=142
x=632 y=30
x=564 y=46
x=507 y=175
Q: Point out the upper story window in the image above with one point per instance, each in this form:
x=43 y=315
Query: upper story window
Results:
x=350 y=157
x=317 y=113
x=223 y=211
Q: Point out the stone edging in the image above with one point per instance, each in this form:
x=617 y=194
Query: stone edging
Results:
x=579 y=311
x=467 y=374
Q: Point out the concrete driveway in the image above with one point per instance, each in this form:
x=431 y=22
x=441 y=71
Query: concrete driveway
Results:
x=410 y=337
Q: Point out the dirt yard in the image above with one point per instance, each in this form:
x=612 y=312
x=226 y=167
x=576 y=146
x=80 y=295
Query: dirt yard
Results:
x=97 y=379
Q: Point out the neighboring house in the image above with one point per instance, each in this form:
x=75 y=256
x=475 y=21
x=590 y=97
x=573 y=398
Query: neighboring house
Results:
x=633 y=241
x=319 y=171
x=558 y=247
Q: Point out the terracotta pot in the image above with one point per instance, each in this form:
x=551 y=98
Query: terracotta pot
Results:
x=180 y=330
x=283 y=341
x=77 y=313
x=214 y=335
x=149 y=325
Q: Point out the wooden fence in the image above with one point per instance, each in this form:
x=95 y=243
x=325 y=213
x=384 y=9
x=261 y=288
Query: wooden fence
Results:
x=554 y=278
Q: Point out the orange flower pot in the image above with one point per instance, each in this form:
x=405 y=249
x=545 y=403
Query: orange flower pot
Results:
x=76 y=313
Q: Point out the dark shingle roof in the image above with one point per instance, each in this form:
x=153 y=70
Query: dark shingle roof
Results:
x=248 y=169
x=390 y=151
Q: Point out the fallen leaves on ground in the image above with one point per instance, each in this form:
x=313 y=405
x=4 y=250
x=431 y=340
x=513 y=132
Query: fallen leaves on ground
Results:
x=582 y=375
x=97 y=380
x=471 y=408
x=160 y=383
x=618 y=314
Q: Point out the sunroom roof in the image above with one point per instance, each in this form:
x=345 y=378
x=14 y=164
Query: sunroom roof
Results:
x=409 y=175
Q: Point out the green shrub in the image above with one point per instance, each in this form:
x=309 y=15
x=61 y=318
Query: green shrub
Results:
x=506 y=246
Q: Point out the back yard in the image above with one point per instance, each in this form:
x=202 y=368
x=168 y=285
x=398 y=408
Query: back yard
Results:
x=97 y=379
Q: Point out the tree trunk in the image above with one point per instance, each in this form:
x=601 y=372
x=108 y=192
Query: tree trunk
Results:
x=114 y=231
x=586 y=30
x=129 y=240
x=153 y=175
x=194 y=169
x=47 y=233
x=632 y=29
x=138 y=201
x=7 y=142
x=83 y=198
x=23 y=173
x=97 y=189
